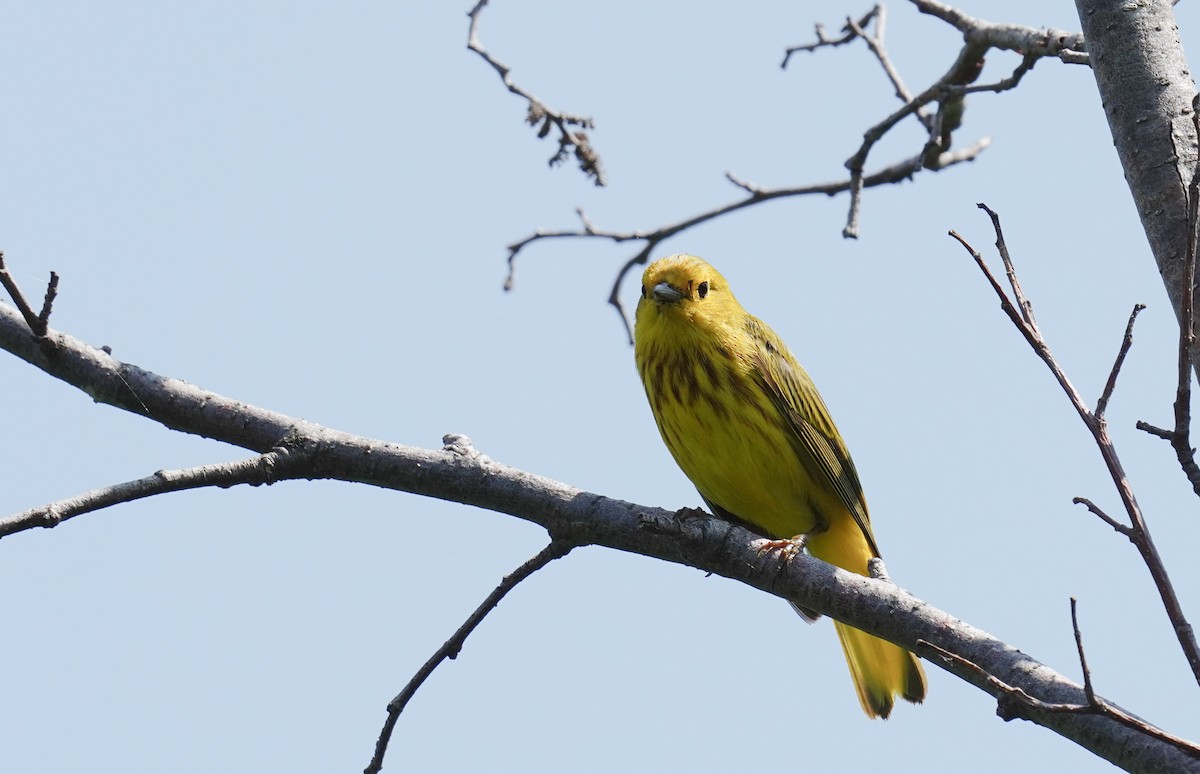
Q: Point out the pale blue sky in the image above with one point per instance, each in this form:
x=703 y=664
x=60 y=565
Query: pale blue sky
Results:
x=308 y=210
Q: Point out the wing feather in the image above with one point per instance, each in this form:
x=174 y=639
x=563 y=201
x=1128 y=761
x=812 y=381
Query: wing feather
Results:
x=818 y=444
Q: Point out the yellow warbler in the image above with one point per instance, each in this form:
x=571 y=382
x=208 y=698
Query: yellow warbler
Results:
x=746 y=425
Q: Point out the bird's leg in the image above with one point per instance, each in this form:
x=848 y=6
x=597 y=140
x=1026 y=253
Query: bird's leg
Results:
x=790 y=546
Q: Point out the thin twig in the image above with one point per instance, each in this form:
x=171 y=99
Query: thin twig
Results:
x=999 y=688
x=451 y=648
x=1013 y=700
x=539 y=113
x=457 y=473
x=1022 y=302
x=37 y=322
x=892 y=174
x=1182 y=441
x=1111 y=384
x=1088 y=691
x=1030 y=333
x=48 y=303
x=1155 y=430
x=1138 y=532
x=874 y=134
x=1109 y=520
x=1004 y=84
x=979 y=38
x=875 y=44
x=824 y=41
x=263 y=469
x=1180 y=436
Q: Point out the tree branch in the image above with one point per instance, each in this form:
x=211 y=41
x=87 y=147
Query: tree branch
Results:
x=1146 y=91
x=263 y=469
x=754 y=195
x=569 y=140
x=1126 y=343
x=453 y=646
x=459 y=473
x=1180 y=437
x=1020 y=311
x=37 y=322
x=948 y=91
x=849 y=32
x=1038 y=42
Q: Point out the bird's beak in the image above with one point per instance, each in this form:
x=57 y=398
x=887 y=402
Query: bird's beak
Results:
x=664 y=291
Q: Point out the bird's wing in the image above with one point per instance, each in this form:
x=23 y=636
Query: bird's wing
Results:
x=819 y=445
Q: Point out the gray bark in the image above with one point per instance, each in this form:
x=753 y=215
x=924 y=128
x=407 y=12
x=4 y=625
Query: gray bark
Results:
x=458 y=473
x=1146 y=88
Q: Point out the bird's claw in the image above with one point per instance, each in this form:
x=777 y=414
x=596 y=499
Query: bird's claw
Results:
x=788 y=547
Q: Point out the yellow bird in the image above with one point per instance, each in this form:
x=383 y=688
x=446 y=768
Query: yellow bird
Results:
x=747 y=426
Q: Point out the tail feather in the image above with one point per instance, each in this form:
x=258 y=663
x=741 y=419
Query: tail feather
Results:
x=881 y=671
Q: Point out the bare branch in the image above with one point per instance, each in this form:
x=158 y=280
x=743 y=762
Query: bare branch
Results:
x=1111 y=384
x=458 y=473
x=824 y=41
x=948 y=91
x=875 y=43
x=979 y=37
x=1088 y=691
x=255 y=471
x=1166 y=435
x=36 y=322
x=1109 y=520
x=570 y=141
x=895 y=173
x=965 y=69
x=1030 y=41
x=1023 y=303
x=1015 y=703
x=453 y=646
x=1180 y=435
x=1138 y=532
x=1181 y=440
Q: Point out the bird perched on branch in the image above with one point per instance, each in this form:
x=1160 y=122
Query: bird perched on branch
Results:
x=747 y=426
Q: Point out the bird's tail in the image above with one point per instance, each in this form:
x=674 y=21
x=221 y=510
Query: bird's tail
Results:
x=881 y=670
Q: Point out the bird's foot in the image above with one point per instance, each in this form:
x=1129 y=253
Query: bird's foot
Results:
x=789 y=547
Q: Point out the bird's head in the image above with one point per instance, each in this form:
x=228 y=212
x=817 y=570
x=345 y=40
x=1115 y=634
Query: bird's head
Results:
x=683 y=291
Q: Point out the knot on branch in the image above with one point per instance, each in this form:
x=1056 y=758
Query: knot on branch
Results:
x=51 y=517
x=293 y=452
x=460 y=446
x=690 y=525
x=1011 y=706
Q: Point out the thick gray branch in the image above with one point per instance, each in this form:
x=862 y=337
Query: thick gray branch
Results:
x=1146 y=89
x=458 y=473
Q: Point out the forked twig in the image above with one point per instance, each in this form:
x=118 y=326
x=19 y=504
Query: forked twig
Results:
x=569 y=140
x=1137 y=531
x=1014 y=703
x=39 y=322
x=849 y=32
x=451 y=648
x=948 y=92
x=650 y=239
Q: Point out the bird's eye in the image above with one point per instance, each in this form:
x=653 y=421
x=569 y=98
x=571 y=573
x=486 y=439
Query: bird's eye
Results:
x=702 y=291
x=643 y=289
